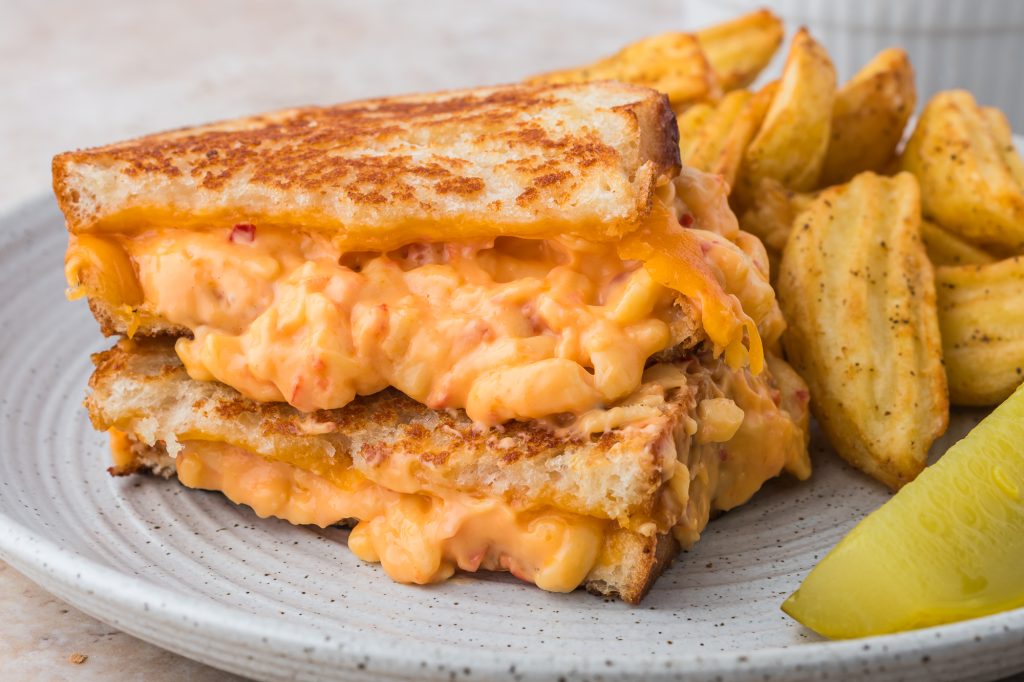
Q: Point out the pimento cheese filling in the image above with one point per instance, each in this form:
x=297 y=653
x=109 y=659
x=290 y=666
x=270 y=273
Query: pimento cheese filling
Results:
x=507 y=329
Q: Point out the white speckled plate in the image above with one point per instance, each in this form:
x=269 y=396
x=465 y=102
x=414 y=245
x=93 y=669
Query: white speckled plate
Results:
x=191 y=572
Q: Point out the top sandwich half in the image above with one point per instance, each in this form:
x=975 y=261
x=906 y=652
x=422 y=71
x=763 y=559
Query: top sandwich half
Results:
x=520 y=252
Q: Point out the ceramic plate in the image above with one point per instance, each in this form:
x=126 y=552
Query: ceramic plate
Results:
x=191 y=572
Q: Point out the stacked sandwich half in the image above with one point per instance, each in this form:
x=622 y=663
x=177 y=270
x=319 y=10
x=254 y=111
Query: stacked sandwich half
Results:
x=494 y=329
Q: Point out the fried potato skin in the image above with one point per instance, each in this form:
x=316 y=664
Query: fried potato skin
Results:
x=791 y=144
x=713 y=138
x=740 y=49
x=982 y=321
x=970 y=175
x=945 y=248
x=772 y=212
x=1003 y=134
x=858 y=294
x=692 y=123
x=868 y=117
x=672 y=63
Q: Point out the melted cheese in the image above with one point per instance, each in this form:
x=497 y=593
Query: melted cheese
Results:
x=417 y=538
x=748 y=432
x=513 y=330
x=687 y=261
x=506 y=329
x=121 y=451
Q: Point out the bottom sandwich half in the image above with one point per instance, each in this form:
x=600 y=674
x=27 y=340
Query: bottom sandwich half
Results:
x=603 y=500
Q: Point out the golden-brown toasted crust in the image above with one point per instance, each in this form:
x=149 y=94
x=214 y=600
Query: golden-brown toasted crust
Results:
x=113 y=324
x=146 y=459
x=518 y=159
x=639 y=562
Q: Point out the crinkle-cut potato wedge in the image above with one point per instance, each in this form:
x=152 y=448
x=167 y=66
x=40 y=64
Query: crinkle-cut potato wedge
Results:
x=712 y=138
x=672 y=63
x=945 y=248
x=981 y=315
x=1003 y=134
x=791 y=143
x=868 y=117
x=858 y=294
x=740 y=49
x=772 y=211
x=972 y=181
x=742 y=191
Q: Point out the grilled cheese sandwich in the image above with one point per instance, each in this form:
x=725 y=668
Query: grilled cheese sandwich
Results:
x=528 y=261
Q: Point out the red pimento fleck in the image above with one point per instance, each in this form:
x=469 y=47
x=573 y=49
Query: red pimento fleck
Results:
x=802 y=395
x=513 y=567
x=473 y=564
x=723 y=454
x=686 y=220
x=242 y=233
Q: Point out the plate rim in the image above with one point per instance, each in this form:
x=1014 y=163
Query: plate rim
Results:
x=77 y=577
x=20 y=547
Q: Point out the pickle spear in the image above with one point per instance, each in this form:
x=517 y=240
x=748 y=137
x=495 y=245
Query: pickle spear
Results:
x=948 y=546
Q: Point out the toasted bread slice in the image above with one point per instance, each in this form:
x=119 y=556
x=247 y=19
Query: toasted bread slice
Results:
x=143 y=390
x=116 y=321
x=520 y=160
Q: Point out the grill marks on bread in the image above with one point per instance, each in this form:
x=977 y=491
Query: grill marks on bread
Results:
x=141 y=387
x=578 y=155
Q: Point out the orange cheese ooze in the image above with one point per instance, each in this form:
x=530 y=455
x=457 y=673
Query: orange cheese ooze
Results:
x=505 y=329
x=675 y=257
x=417 y=538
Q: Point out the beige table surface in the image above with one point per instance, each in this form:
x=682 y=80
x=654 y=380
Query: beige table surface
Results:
x=76 y=73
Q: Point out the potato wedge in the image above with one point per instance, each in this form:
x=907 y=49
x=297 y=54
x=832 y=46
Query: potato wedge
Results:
x=672 y=63
x=691 y=123
x=868 y=117
x=970 y=175
x=858 y=294
x=982 y=323
x=791 y=144
x=945 y=248
x=740 y=49
x=1003 y=134
x=772 y=212
x=713 y=138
